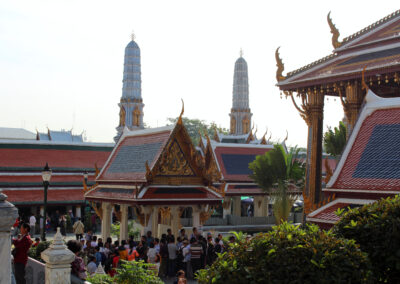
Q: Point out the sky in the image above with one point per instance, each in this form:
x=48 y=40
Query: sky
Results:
x=61 y=62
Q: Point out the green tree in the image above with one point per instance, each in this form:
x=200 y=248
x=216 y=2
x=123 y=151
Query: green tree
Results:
x=132 y=229
x=193 y=126
x=277 y=172
x=335 y=140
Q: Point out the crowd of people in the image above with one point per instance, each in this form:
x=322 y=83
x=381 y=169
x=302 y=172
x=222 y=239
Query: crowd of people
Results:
x=169 y=256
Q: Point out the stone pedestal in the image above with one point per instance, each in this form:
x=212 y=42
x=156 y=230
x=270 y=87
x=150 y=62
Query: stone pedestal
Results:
x=123 y=228
x=106 y=220
x=58 y=261
x=237 y=206
x=8 y=214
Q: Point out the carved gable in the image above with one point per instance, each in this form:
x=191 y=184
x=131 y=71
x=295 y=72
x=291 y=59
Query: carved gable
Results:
x=173 y=162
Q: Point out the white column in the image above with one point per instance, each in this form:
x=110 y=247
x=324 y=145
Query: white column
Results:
x=196 y=216
x=259 y=206
x=8 y=214
x=154 y=221
x=175 y=220
x=106 y=220
x=237 y=206
x=58 y=261
x=78 y=211
x=227 y=207
x=123 y=228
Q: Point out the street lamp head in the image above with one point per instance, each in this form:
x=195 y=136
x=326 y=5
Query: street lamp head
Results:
x=46 y=173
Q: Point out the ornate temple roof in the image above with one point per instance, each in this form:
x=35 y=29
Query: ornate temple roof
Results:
x=22 y=162
x=377 y=47
x=370 y=164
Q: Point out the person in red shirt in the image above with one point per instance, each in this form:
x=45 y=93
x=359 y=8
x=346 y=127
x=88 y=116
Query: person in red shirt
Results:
x=22 y=245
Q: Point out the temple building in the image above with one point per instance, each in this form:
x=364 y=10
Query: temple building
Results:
x=131 y=103
x=23 y=155
x=159 y=173
x=374 y=49
x=240 y=112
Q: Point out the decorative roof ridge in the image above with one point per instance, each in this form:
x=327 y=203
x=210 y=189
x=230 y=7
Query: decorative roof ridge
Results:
x=132 y=133
x=215 y=144
x=312 y=64
x=371 y=27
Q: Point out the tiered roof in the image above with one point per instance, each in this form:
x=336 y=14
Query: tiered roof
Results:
x=156 y=166
x=21 y=164
x=370 y=165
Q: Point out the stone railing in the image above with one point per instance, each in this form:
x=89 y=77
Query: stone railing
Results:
x=35 y=272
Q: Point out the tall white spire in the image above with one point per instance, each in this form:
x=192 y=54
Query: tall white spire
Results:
x=131 y=103
x=240 y=112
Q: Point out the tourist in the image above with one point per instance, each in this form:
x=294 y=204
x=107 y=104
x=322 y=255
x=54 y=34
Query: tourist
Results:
x=98 y=256
x=187 y=267
x=182 y=234
x=93 y=243
x=88 y=235
x=154 y=258
x=164 y=258
x=20 y=253
x=32 y=224
x=149 y=238
x=171 y=256
x=37 y=241
x=92 y=266
x=194 y=234
x=211 y=255
x=141 y=249
x=123 y=252
x=93 y=219
x=196 y=251
x=203 y=242
x=157 y=244
x=169 y=234
x=78 y=265
x=132 y=253
x=78 y=229
x=180 y=277
x=217 y=246
x=179 y=254
x=63 y=226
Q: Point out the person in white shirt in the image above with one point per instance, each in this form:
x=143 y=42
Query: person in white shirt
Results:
x=32 y=223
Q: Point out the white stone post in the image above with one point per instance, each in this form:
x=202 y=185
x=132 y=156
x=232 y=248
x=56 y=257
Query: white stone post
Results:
x=123 y=227
x=237 y=206
x=58 y=261
x=8 y=214
x=78 y=211
x=106 y=220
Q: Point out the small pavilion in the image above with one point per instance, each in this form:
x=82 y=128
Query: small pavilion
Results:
x=375 y=48
x=158 y=173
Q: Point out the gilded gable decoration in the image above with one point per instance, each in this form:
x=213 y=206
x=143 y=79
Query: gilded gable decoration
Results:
x=173 y=162
x=334 y=31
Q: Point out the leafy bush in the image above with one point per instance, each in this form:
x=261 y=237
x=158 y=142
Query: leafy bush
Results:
x=131 y=272
x=34 y=252
x=376 y=228
x=289 y=254
x=132 y=230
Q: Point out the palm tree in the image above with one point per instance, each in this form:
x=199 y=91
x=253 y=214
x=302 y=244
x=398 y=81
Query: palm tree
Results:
x=335 y=140
x=279 y=173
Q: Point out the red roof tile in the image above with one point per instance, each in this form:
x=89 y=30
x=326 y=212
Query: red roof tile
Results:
x=58 y=196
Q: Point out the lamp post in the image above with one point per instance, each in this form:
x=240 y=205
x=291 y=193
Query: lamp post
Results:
x=85 y=176
x=46 y=176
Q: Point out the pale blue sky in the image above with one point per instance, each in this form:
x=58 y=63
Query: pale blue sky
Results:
x=61 y=62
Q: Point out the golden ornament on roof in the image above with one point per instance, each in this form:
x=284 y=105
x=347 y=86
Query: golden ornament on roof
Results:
x=280 y=65
x=335 y=32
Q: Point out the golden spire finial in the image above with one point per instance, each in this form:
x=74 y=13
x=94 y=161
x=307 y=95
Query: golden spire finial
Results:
x=241 y=52
x=280 y=65
x=363 y=84
x=334 y=31
x=133 y=36
x=182 y=111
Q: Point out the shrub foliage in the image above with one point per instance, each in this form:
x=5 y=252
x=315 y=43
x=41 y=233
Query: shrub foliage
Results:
x=289 y=254
x=376 y=228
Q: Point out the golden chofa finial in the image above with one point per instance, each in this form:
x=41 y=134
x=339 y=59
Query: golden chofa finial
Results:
x=280 y=65
x=334 y=31
x=182 y=111
x=363 y=84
